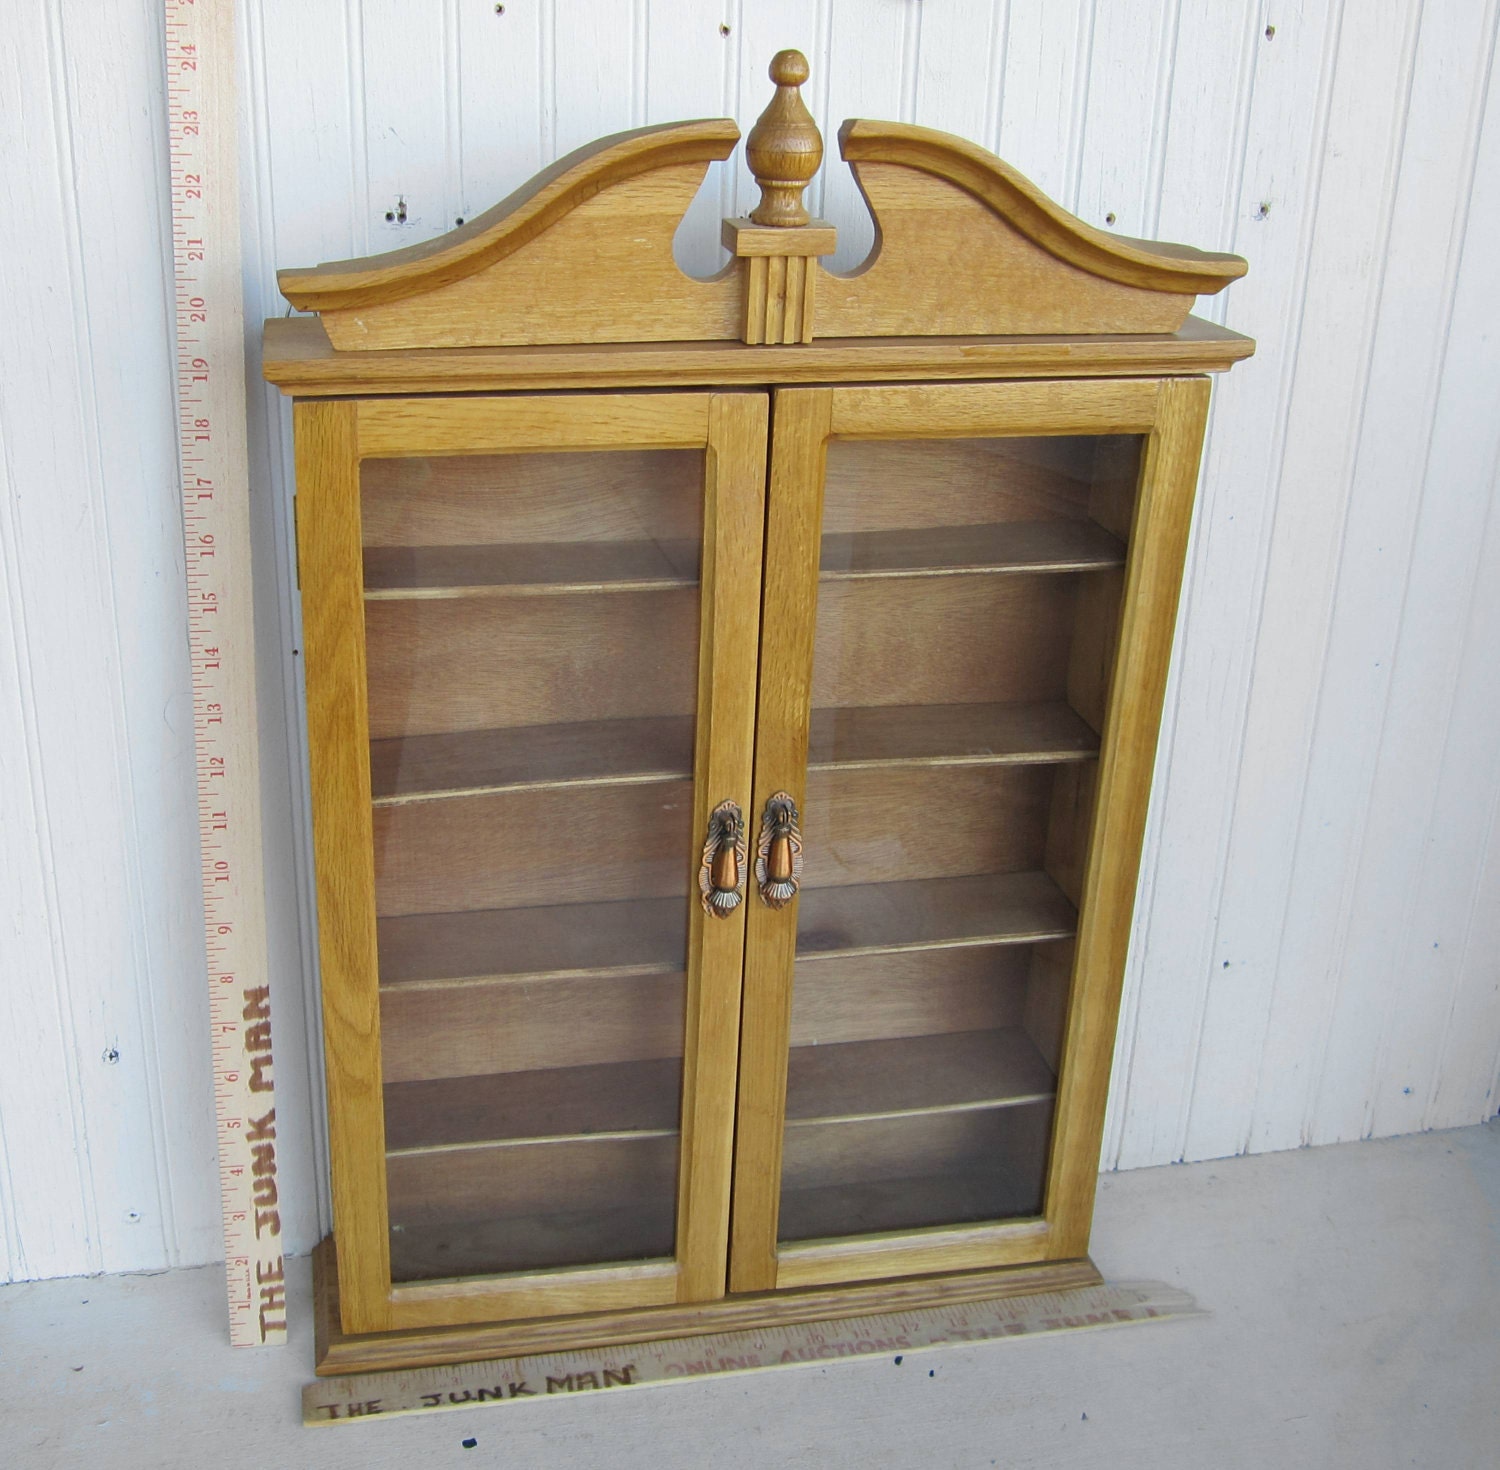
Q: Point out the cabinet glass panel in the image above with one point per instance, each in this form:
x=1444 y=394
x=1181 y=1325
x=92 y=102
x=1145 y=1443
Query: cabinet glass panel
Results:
x=532 y=650
x=968 y=602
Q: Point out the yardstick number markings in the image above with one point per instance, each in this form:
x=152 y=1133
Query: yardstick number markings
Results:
x=216 y=537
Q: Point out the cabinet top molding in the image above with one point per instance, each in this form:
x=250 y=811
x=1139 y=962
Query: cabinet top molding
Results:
x=582 y=254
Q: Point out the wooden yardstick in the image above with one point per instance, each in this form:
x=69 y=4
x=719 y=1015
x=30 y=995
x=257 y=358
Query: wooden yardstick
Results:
x=216 y=536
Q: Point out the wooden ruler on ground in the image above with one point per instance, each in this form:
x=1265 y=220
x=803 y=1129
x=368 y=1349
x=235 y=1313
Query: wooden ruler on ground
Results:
x=363 y=1397
x=216 y=534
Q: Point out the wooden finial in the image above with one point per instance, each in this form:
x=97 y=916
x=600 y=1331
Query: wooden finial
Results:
x=785 y=147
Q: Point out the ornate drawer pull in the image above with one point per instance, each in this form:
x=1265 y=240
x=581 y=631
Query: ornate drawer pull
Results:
x=721 y=877
x=778 y=854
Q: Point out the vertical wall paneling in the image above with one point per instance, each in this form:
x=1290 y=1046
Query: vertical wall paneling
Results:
x=1210 y=68
x=23 y=923
x=1119 y=162
x=596 y=78
x=688 y=70
x=406 y=88
x=44 y=1189
x=957 y=69
x=1433 y=802
x=52 y=1205
x=1320 y=896
x=1198 y=766
x=301 y=107
x=1372 y=73
x=1204 y=131
x=87 y=461
x=872 y=42
x=352 y=50
x=1466 y=816
x=1358 y=836
x=155 y=1108
x=497 y=92
x=1044 y=91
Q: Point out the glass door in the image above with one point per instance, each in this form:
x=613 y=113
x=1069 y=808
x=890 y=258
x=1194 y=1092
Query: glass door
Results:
x=530 y=629
x=953 y=754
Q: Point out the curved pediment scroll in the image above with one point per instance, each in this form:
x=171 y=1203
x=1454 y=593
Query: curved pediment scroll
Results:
x=965 y=245
x=582 y=253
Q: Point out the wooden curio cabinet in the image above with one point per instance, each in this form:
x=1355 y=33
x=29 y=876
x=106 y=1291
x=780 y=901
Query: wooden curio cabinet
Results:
x=732 y=708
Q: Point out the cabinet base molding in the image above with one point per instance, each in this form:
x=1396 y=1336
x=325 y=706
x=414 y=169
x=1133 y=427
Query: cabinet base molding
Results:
x=339 y=1352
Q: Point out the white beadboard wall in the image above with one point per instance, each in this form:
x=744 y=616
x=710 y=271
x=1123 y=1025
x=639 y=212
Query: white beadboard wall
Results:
x=1317 y=954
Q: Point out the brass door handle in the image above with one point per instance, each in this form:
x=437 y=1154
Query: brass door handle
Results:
x=721 y=876
x=778 y=854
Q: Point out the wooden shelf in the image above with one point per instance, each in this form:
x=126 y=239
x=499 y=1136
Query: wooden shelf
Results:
x=841 y=1083
x=642 y=937
x=522 y=568
x=612 y=1196
x=468 y=1028
x=540 y=847
x=915 y=1074
x=949 y=734
x=644 y=1231
x=621 y=1098
x=914 y=1170
x=586 y=753
x=461 y=1183
x=486 y=663
x=939 y=551
x=932 y=913
x=967 y=1198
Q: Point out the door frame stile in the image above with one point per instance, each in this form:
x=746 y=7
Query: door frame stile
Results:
x=1166 y=488
x=331 y=574
x=801 y=424
x=733 y=525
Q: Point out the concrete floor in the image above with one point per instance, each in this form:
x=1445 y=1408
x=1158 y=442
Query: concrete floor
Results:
x=1354 y=1295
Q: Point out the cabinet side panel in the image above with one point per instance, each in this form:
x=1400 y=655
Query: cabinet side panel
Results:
x=334 y=652
x=1153 y=578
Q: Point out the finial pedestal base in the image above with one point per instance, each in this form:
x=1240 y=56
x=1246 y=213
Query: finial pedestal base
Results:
x=782 y=274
